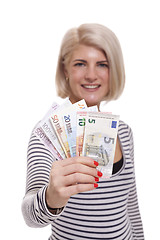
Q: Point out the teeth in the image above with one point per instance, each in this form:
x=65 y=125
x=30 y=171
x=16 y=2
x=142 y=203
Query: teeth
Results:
x=91 y=86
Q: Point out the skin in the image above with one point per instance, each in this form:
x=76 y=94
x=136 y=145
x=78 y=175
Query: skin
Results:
x=88 y=74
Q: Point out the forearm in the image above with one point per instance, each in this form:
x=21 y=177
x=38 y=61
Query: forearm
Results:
x=39 y=162
x=35 y=211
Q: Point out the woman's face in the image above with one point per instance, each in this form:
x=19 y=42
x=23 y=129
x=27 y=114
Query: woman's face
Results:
x=88 y=75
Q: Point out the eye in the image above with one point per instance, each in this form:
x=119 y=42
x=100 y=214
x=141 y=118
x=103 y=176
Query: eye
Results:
x=79 y=64
x=103 y=65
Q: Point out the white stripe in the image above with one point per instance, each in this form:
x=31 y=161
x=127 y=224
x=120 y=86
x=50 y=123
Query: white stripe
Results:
x=108 y=212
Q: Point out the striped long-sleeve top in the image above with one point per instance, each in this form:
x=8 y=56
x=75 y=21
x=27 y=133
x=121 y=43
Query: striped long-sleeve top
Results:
x=108 y=212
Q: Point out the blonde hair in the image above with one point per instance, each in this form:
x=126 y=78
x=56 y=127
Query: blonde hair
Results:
x=98 y=36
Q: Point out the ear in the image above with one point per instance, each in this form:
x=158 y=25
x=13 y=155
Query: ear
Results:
x=65 y=71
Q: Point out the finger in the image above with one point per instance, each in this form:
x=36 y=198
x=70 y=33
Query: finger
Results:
x=79 y=168
x=78 y=188
x=79 y=178
x=83 y=160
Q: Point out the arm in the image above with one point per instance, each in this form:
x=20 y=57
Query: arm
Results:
x=53 y=182
x=39 y=162
x=133 y=207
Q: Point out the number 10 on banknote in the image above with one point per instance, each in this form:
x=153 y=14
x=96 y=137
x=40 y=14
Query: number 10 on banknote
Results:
x=100 y=138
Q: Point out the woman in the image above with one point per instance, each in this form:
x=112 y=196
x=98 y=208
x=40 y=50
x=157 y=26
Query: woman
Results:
x=90 y=67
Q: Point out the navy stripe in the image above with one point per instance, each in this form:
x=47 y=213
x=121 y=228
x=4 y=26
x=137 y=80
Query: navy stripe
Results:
x=109 y=212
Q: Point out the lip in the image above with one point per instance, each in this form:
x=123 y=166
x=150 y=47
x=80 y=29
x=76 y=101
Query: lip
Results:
x=91 y=87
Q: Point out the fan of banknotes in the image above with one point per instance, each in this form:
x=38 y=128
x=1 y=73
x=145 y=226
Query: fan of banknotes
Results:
x=70 y=130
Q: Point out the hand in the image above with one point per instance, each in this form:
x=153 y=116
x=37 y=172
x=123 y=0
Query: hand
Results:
x=69 y=177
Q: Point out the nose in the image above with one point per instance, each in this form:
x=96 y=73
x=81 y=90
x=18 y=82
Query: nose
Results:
x=91 y=74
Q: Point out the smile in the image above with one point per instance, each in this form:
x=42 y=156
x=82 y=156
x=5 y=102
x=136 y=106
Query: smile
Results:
x=91 y=86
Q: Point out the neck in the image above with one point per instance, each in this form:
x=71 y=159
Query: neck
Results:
x=88 y=105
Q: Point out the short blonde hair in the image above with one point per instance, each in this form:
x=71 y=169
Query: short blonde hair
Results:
x=98 y=36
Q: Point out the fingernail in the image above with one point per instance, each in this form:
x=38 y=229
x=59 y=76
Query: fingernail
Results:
x=96 y=179
x=99 y=174
x=95 y=185
x=96 y=163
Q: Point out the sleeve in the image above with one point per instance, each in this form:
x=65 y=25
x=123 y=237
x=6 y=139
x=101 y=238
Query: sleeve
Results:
x=132 y=206
x=39 y=162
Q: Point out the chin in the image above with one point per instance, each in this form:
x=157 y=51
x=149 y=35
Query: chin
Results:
x=91 y=103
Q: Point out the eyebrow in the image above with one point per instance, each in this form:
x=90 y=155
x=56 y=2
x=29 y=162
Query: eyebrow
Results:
x=103 y=61
x=81 y=60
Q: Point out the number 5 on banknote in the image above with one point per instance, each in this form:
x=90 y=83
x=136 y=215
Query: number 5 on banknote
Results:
x=100 y=139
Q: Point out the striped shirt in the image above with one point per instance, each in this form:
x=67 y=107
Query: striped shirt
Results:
x=108 y=212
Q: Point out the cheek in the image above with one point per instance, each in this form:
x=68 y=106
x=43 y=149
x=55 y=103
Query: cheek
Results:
x=74 y=82
x=105 y=79
x=76 y=76
x=103 y=74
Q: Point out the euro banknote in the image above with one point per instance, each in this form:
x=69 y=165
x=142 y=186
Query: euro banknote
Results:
x=70 y=130
x=38 y=131
x=48 y=129
x=58 y=124
x=70 y=124
x=81 y=119
x=100 y=138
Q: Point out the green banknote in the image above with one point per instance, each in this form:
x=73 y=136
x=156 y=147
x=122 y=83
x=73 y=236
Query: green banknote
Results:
x=81 y=121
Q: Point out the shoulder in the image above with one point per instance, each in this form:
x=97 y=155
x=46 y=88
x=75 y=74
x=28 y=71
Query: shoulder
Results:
x=124 y=128
x=126 y=137
x=125 y=132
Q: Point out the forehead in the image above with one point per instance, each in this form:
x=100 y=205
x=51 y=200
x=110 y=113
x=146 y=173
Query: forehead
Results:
x=88 y=52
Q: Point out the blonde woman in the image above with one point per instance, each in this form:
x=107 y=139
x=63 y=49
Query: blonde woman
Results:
x=90 y=67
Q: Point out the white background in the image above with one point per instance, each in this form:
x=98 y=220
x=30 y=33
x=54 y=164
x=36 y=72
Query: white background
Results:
x=30 y=37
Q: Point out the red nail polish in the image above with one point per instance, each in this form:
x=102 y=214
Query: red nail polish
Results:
x=96 y=179
x=95 y=185
x=99 y=174
x=96 y=163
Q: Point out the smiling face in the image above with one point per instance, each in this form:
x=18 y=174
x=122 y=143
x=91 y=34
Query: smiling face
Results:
x=88 y=74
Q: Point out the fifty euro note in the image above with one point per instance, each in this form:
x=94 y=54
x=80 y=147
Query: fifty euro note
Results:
x=57 y=124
